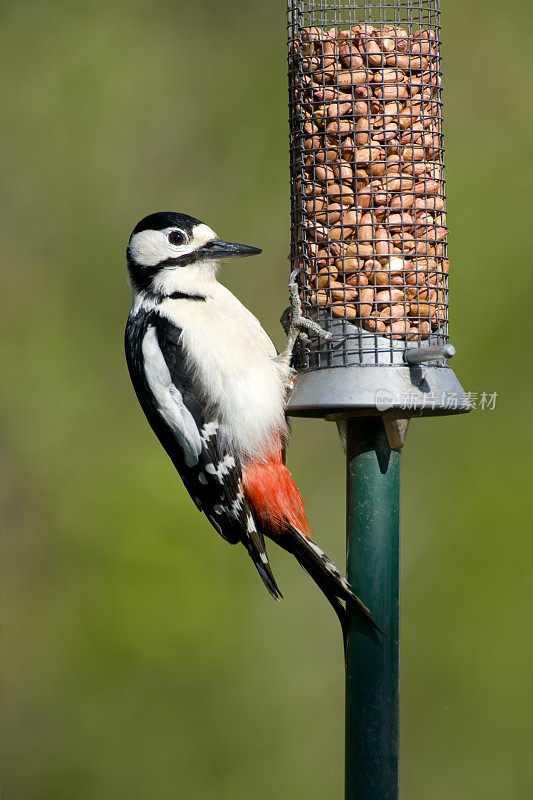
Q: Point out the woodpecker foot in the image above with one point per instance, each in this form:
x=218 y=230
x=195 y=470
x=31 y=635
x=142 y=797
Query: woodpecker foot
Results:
x=300 y=327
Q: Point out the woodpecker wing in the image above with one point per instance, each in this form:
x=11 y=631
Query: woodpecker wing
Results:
x=189 y=431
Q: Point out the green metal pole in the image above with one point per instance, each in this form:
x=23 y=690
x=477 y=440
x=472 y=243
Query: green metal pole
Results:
x=373 y=569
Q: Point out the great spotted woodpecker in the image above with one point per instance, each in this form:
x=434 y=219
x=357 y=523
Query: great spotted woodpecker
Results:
x=214 y=390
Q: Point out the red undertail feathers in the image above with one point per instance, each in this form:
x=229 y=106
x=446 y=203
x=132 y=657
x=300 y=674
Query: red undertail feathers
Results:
x=273 y=495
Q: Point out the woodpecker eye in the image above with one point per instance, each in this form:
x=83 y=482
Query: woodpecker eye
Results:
x=176 y=237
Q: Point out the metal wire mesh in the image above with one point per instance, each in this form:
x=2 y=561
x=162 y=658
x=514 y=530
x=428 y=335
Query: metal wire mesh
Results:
x=367 y=177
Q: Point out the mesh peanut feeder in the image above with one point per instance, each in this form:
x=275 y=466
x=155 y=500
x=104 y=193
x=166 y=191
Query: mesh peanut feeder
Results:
x=368 y=204
x=369 y=254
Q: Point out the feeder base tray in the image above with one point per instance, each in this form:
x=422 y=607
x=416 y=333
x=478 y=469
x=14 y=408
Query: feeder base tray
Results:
x=418 y=391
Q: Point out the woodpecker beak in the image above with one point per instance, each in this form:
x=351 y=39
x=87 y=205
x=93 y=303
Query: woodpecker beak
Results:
x=218 y=250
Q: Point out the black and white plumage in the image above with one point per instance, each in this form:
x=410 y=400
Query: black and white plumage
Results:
x=213 y=388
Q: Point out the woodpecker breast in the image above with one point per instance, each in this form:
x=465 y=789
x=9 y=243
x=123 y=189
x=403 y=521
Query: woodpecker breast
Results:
x=233 y=361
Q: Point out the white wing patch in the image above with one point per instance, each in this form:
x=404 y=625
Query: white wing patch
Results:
x=169 y=399
x=224 y=466
x=250 y=524
x=236 y=506
x=209 y=429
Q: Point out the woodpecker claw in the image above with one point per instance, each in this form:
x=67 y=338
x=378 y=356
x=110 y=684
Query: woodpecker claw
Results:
x=298 y=325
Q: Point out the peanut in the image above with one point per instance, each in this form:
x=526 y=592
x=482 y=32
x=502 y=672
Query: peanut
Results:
x=365 y=233
x=389 y=296
x=357 y=279
x=392 y=312
x=375 y=325
x=400 y=328
x=343 y=171
x=419 y=310
x=324 y=277
x=344 y=311
x=341 y=127
x=373 y=53
x=339 y=292
x=362 y=128
x=350 y=56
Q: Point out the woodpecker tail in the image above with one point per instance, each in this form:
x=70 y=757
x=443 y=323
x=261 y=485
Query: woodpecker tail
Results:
x=269 y=488
x=325 y=574
x=255 y=544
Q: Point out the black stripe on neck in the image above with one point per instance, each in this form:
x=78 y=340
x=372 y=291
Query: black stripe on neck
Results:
x=184 y=296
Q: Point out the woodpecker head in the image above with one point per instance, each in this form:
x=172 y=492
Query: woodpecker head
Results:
x=167 y=250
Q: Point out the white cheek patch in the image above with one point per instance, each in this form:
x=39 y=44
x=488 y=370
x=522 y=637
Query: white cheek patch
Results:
x=150 y=247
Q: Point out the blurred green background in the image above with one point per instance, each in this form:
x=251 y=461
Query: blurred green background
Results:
x=142 y=658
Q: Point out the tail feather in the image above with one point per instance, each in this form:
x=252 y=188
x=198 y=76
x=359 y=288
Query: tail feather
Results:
x=268 y=579
x=279 y=511
x=255 y=544
x=325 y=574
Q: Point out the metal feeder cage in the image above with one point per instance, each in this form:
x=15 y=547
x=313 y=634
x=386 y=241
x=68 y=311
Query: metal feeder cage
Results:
x=368 y=245
x=368 y=253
